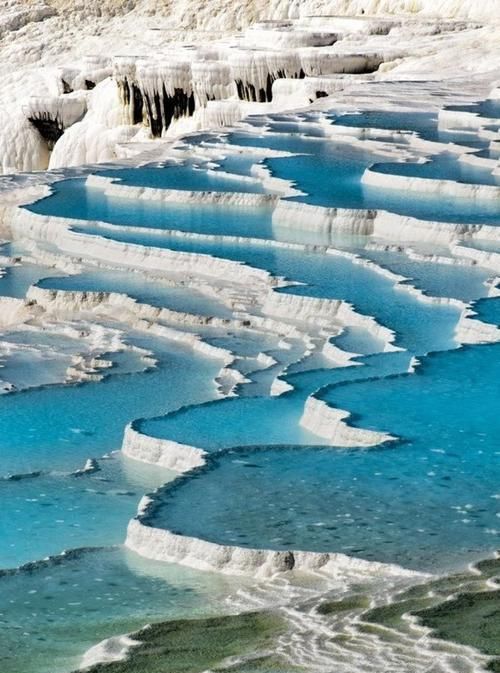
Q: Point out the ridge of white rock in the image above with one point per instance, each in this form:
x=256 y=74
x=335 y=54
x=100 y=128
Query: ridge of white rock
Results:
x=437 y=259
x=162 y=452
x=331 y=352
x=163 y=545
x=380 y=224
x=401 y=228
x=473 y=331
x=111 y=649
x=279 y=387
x=297 y=216
x=374 y=178
x=489 y=259
x=13 y=312
x=330 y=423
x=124 y=309
x=114 y=189
x=86 y=353
x=117 y=305
x=321 y=312
x=462 y=119
x=400 y=281
x=57 y=230
x=275 y=305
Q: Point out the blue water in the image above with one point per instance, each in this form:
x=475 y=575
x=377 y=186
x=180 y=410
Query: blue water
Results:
x=42 y=515
x=423 y=123
x=185 y=177
x=55 y=429
x=233 y=422
x=73 y=199
x=331 y=182
x=332 y=277
x=488 y=310
x=330 y=174
x=58 y=428
x=52 y=614
x=444 y=166
x=19 y=278
x=426 y=500
x=440 y=280
x=153 y=292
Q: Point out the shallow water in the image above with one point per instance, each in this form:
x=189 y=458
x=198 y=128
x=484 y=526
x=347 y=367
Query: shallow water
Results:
x=152 y=292
x=332 y=277
x=466 y=283
x=186 y=177
x=17 y=279
x=330 y=173
x=73 y=199
x=425 y=501
x=51 y=614
x=232 y=422
x=59 y=427
x=45 y=514
x=443 y=167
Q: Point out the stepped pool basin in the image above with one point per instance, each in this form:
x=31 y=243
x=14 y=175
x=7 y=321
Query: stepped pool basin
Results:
x=69 y=424
x=96 y=593
x=327 y=276
x=154 y=293
x=445 y=469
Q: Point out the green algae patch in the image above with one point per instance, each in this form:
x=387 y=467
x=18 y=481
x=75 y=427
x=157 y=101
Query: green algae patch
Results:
x=356 y=602
x=391 y=615
x=194 y=645
x=472 y=616
x=469 y=619
x=462 y=608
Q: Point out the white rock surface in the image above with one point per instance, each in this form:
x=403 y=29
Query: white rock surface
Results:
x=162 y=545
x=330 y=423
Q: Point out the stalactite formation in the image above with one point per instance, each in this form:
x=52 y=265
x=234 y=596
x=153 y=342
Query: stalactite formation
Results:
x=50 y=129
